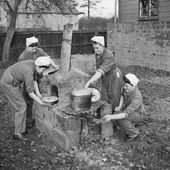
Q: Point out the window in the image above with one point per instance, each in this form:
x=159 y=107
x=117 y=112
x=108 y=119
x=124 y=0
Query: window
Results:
x=148 y=9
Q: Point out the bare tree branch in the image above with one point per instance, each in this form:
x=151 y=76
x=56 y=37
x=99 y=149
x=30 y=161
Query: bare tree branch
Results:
x=26 y=4
x=9 y=6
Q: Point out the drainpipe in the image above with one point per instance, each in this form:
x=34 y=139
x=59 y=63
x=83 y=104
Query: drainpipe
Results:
x=115 y=18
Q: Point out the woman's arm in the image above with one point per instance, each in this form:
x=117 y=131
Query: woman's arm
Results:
x=54 y=65
x=37 y=90
x=95 y=77
x=36 y=98
x=114 y=117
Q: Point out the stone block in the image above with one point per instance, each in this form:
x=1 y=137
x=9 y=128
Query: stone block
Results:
x=39 y=123
x=66 y=122
x=64 y=140
x=38 y=110
x=49 y=116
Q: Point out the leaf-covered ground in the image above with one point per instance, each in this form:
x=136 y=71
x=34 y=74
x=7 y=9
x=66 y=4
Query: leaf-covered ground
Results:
x=151 y=151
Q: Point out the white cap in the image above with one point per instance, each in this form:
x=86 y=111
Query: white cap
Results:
x=132 y=78
x=43 y=61
x=31 y=40
x=98 y=39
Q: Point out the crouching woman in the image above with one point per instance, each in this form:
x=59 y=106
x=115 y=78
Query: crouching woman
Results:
x=24 y=71
x=131 y=109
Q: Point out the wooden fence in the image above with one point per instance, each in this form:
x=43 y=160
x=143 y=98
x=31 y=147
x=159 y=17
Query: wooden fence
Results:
x=51 y=42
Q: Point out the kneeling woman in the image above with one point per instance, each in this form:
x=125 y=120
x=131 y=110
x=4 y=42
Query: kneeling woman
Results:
x=24 y=71
x=131 y=109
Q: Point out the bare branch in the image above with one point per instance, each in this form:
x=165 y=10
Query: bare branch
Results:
x=9 y=6
x=26 y=4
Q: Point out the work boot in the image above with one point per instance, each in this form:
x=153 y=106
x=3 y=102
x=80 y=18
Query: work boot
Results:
x=131 y=138
x=19 y=136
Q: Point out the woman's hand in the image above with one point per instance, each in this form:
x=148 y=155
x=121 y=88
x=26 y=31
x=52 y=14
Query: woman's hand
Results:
x=44 y=104
x=107 y=118
x=40 y=96
x=45 y=73
x=117 y=109
x=56 y=67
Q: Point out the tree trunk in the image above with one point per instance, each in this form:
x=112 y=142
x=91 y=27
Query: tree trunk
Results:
x=88 y=9
x=10 y=33
x=7 y=44
x=66 y=47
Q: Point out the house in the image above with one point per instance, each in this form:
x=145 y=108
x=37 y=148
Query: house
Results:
x=142 y=35
x=143 y=10
x=36 y=15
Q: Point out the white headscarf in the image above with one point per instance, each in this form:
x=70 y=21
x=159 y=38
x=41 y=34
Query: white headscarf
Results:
x=98 y=39
x=31 y=40
x=43 y=61
x=132 y=78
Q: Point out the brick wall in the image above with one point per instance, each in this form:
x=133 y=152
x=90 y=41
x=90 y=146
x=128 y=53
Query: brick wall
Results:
x=145 y=44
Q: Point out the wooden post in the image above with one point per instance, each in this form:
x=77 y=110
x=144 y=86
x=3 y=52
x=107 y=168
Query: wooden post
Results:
x=66 y=47
x=106 y=128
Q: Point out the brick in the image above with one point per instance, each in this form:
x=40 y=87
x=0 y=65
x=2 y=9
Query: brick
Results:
x=67 y=123
x=49 y=116
x=64 y=140
x=39 y=124
x=38 y=110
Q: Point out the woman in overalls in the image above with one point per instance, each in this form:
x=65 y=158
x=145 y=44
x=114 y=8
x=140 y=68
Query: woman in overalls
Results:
x=111 y=78
x=23 y=71
x=108 y=71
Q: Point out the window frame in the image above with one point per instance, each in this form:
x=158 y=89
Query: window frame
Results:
x=148 y=17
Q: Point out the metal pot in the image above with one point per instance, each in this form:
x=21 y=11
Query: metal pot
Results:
x=80 y=100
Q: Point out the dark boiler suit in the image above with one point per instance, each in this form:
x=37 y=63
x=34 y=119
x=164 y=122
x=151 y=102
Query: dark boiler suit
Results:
x=134 y=109
x=12 y=78
x=111 y=79
x=28 y=54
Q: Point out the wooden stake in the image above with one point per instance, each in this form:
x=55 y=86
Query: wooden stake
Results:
x=66 y=47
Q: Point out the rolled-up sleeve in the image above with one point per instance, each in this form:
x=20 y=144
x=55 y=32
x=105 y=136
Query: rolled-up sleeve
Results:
x=108 y=62
x=133 y=106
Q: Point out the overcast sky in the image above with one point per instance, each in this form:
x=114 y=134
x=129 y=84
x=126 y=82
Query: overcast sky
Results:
x=106 y=8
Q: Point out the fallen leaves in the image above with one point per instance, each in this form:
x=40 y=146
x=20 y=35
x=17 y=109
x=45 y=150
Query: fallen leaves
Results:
x=150 y=151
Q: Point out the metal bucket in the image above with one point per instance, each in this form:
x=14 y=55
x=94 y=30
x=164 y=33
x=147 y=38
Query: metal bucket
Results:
x=80 y=100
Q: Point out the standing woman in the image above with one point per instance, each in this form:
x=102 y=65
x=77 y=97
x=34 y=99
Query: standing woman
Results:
x=24 y=71
x=32 y=52
x=107 y=70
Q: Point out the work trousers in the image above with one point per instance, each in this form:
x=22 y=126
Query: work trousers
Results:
x=111 y=87
x=128 y=125
x=15 y=97
x=29 y=102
